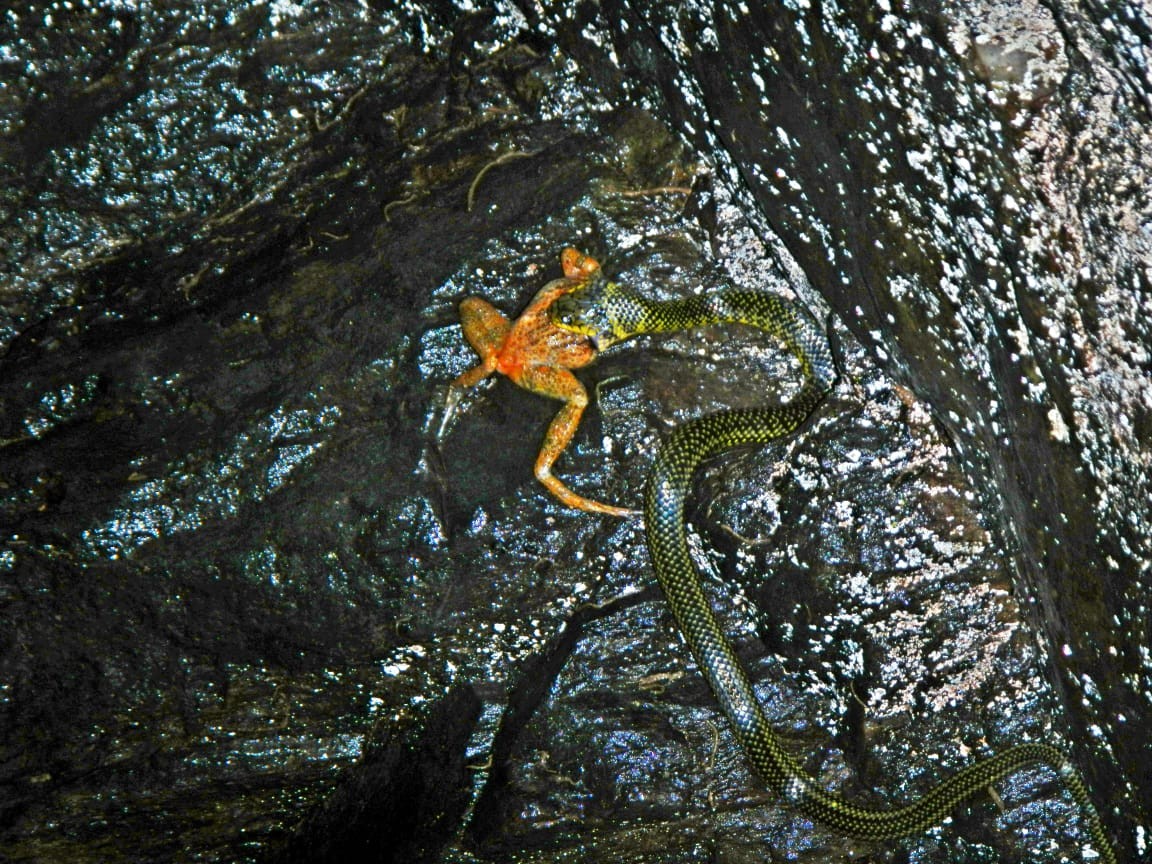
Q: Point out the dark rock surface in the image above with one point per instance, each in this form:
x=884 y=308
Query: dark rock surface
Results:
x=253 y=608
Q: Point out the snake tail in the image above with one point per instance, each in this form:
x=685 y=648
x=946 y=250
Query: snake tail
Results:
x=688 y=446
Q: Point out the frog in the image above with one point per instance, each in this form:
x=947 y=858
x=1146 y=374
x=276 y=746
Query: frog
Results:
x=539 y=356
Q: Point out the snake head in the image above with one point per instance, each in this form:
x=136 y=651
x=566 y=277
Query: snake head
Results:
x=584 y=310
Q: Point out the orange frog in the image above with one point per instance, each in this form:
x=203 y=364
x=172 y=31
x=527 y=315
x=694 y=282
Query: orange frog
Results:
x=537 y=355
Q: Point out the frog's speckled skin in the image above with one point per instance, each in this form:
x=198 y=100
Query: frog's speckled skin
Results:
x=537 y=355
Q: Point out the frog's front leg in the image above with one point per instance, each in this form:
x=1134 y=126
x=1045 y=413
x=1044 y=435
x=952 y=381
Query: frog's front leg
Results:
x=562 y=384
x=486 y=328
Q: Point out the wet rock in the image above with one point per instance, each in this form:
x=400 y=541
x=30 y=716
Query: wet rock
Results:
x=402 y=799
x=236 y=553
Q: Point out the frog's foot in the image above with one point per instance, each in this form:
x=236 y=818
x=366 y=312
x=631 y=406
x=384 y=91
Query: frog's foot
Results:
x=570 y=499
x=450 y=403
x=576 y=265
x=456 y=389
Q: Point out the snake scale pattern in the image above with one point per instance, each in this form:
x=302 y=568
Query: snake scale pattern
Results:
x=608 y=313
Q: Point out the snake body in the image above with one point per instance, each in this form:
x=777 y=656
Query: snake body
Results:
x=608 y=313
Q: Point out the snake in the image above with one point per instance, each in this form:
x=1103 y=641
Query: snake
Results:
x=608 y=313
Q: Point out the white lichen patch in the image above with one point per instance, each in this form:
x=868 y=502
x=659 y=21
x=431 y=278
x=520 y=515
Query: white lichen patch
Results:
x=1016 y=47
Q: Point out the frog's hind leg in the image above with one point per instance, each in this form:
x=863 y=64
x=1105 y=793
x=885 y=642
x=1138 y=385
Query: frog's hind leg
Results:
x=562 y=384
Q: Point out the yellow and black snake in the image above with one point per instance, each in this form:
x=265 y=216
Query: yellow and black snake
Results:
x=607 y=313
